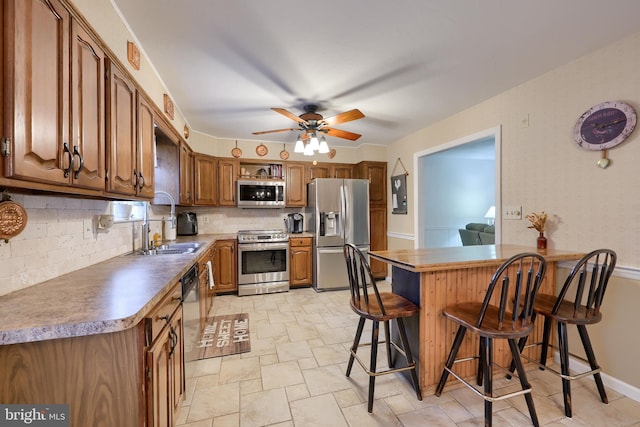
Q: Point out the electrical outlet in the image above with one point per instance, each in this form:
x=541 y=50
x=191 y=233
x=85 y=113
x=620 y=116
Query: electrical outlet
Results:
x=87 y=229
x=512 y=212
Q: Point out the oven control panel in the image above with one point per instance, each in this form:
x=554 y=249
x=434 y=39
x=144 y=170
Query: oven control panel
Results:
x=250 y=236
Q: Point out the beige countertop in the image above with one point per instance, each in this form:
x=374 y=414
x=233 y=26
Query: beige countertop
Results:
x=110 y=296
x=422 y=260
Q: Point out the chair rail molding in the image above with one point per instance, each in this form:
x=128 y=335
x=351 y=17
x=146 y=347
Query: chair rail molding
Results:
x=396 y=235
x=632 y=273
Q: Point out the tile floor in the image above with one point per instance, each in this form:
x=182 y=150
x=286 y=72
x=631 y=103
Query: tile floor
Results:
x=294 y=376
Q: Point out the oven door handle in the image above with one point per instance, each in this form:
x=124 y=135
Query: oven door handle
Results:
x=262 y=246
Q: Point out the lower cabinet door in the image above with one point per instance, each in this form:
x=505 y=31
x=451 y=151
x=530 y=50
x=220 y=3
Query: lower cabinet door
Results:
x=165 y=374
x=159 y=387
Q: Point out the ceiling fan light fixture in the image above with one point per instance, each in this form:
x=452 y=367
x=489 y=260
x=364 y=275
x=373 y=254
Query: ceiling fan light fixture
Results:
x=324 y=147
x=315 y=145
x=299 y=147
x=308 y=151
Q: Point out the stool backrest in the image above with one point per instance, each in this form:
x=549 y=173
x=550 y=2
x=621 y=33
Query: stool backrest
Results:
x=514 y=286
x=587 y=283
x=360 y=277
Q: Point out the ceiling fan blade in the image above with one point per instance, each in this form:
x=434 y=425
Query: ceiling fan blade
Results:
x=272 y=131
x=347 y=116
x=342 y=134
x=289 y=114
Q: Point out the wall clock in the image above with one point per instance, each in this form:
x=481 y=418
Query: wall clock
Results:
x=605 y=125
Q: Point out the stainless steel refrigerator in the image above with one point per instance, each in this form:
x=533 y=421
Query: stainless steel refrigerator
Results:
x=339 y=214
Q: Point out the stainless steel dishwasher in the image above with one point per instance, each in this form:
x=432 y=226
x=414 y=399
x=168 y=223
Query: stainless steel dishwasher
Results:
x=191 y=308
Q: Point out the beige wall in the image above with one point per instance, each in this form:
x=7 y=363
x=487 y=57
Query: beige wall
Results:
x=206 y=144
x=543 y=169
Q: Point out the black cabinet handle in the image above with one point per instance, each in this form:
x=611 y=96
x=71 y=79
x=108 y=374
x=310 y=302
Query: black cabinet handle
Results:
x=135 y=173
x=68 y=170
x=141 y=181
x=76 y=152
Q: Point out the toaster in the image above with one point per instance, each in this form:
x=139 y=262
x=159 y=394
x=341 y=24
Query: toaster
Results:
x=187 y=224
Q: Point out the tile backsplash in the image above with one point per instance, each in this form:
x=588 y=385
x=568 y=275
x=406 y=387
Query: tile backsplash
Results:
x=54 y=241
x=58 y=238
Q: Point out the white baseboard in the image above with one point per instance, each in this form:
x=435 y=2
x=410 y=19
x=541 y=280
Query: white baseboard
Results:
x=628 y=390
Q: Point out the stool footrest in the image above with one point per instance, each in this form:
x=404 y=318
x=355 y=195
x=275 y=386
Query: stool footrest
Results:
x=388 y=371
x=480 y=393
x=555 y=371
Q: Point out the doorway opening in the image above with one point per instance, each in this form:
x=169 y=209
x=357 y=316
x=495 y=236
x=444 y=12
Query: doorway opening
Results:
x=456 y=183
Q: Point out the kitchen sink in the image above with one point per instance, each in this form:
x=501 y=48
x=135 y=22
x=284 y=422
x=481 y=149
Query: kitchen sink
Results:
x=173 y=249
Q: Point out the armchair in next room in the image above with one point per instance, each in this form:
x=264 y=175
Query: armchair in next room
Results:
x=476 y=233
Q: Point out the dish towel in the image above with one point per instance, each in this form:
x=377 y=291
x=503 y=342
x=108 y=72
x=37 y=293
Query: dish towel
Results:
x=210 y=270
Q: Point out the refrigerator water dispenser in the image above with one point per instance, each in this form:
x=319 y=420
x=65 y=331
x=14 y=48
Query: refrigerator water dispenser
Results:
x=330 y=224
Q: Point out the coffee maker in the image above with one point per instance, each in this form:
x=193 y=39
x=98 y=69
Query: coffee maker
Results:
x=295 y=223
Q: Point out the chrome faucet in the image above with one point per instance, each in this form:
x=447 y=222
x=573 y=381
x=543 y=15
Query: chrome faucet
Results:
x=172 y=215
x=145 y=229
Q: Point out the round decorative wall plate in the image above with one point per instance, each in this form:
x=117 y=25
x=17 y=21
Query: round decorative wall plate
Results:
x=262 y=150
x=236 y=152
x=13 y=219
x=605 y=125
x=284 y=154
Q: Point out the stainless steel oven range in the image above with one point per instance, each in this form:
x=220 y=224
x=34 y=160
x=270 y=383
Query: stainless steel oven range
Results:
x=263 y=261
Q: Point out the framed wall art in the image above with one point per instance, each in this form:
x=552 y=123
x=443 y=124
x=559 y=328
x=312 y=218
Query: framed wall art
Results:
x=399 y=190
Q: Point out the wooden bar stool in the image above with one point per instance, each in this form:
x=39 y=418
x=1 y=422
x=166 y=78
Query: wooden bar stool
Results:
x=378 y=307
x=578 y=303
x=513 y=287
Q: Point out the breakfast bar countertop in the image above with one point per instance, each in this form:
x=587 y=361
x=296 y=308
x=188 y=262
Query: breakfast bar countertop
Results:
x=438 y=259
x=109 y=296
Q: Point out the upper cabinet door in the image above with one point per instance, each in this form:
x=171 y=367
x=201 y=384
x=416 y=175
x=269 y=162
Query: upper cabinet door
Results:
x=122 y=175
x=146 y=148
x=87 y=74
x=36 y=85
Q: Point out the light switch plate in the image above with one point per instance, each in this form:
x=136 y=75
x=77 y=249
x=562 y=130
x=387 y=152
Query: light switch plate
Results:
x=512 y=212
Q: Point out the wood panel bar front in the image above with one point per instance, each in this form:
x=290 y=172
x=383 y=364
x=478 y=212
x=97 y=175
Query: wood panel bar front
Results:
x=436 y=278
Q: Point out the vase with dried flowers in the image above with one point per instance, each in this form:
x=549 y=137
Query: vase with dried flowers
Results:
x=538 y=222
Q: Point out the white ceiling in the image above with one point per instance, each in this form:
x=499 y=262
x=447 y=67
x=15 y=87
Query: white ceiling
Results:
x=404 y=63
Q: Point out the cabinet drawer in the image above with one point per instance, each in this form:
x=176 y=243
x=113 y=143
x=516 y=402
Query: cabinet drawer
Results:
x=299 y=241
x=160 y=316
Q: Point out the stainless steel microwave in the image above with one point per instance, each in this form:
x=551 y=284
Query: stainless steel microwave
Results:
x=260 y=193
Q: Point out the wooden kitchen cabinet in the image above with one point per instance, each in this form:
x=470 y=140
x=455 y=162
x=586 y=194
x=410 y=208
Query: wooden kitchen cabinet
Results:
x=226 y=272
x=130 y=133
x=145 y=147
x=206 y=294
x=330 y=170
x=205 y=180
x=378 y=239
x=376 y=173
x=165 y=361
x=54 y=97
x=128 y=378
x=301 y=261
x=320 y=170
x=227 y=174
x=339 y=170
x=186 y=174
x=295 y=184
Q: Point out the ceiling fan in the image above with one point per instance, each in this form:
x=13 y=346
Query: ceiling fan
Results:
x=310 y=122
